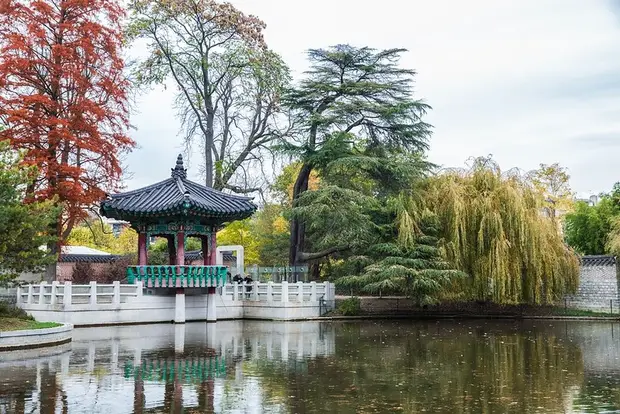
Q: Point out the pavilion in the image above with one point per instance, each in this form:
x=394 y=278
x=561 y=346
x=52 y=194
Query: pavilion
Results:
x=175 y=209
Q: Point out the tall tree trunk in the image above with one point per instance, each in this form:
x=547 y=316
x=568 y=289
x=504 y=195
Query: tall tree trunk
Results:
x=298 y=229
x=55 y=250
x=209 y=145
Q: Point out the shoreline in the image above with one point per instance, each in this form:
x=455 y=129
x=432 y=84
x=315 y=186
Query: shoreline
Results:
x=35 y=338
x=439 y=316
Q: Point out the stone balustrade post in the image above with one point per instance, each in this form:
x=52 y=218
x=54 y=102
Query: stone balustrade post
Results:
x=284 y=296
x=42 y=293
x=255 y=291
x=93 y=293
x=19 y=296
x=66 y=296
x=300 y=292
x=139 y=289
x=313 y=295
x=235 y=291
x=270 y=291
x=30 y=289
x=326 y=290
x=116 y=299
x=53 y=298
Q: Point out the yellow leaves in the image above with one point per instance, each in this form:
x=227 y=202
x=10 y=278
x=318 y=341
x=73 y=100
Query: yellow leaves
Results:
x=280 y=225
x=492 y=228
x=102 y=238
x=240 y=233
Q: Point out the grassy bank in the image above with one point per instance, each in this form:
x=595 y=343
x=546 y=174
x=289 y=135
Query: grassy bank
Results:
x=13 y=318
x=17 y=324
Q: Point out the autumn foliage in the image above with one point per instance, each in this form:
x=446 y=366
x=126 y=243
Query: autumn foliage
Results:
x=63 y=97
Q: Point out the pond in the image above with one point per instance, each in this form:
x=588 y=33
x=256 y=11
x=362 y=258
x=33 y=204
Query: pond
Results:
x=472 y=366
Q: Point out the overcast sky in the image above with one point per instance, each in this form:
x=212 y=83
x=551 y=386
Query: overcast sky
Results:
x=528 y=81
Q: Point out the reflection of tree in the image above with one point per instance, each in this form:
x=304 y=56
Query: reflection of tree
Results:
x=447 y=368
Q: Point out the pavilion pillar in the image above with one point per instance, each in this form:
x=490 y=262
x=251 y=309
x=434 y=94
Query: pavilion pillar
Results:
x=179 y=307
x=142 y=255
x=213 y=247
x=206 y=250
x=211 y=290
x=172 y=251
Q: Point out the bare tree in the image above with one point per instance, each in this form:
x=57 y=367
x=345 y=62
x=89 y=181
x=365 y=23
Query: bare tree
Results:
x=229 y=84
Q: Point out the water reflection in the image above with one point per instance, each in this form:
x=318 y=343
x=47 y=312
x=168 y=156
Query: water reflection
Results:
x=307 y=367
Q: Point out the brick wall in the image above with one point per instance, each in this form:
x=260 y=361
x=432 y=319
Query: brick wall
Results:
x=598 y=286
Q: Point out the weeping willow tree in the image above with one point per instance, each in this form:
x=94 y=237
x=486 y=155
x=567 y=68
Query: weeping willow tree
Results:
x=613 y=238
x=493 y=229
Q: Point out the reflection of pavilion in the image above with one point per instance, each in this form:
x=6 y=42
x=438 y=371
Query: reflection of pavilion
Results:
x=189 y=371
x=158 y=368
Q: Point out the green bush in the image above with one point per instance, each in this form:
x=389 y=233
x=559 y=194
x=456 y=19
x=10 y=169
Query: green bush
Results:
x=350 y=306
x=8 y=310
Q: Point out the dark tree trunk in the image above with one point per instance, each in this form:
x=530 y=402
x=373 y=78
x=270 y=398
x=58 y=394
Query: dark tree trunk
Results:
x=55 y=250
x=208 y=151
x=316 y=272
x=298 y=230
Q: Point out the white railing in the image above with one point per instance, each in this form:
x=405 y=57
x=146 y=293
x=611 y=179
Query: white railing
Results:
x=280 y=292
x=68 y=294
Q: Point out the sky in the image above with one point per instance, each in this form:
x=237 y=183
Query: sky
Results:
x=526 y=81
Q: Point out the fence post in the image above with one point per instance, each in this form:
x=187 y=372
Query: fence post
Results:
x=255 y=291
x=18 y=299
x=42 y=293
x=284 y=296
x=300 y=292
x=29 y=300
x=313 y=297
x=116 y=299
x=235 y=291
x=270 y=291
x=66 y=296
x=93 y=293
x=53 y=298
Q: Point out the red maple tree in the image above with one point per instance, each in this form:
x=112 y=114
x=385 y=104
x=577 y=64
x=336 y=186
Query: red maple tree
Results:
x=63 y=97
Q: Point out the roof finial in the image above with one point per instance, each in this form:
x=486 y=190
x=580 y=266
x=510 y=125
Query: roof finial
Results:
x=178 y=170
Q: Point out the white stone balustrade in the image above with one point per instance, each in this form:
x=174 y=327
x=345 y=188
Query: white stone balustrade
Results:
x=68 y=294
x=100 y=294
x=98 y=304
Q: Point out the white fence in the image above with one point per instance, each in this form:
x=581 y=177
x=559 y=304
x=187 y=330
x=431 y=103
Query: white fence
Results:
x=102 y=304
x=280 y=292
x=67 y=294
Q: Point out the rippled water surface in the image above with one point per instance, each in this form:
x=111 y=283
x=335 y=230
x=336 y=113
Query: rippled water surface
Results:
x=321 y=367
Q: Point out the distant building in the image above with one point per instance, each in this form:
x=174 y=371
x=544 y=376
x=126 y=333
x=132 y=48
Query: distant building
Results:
x=591 y=201
x=117 y=225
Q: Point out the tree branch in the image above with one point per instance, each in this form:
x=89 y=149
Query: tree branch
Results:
x=304 y=256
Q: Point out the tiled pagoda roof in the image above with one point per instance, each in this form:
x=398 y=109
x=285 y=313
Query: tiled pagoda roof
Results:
x=177 y=197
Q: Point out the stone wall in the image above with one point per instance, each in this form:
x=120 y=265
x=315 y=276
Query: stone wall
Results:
x=388 y=305
x=598 y=286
